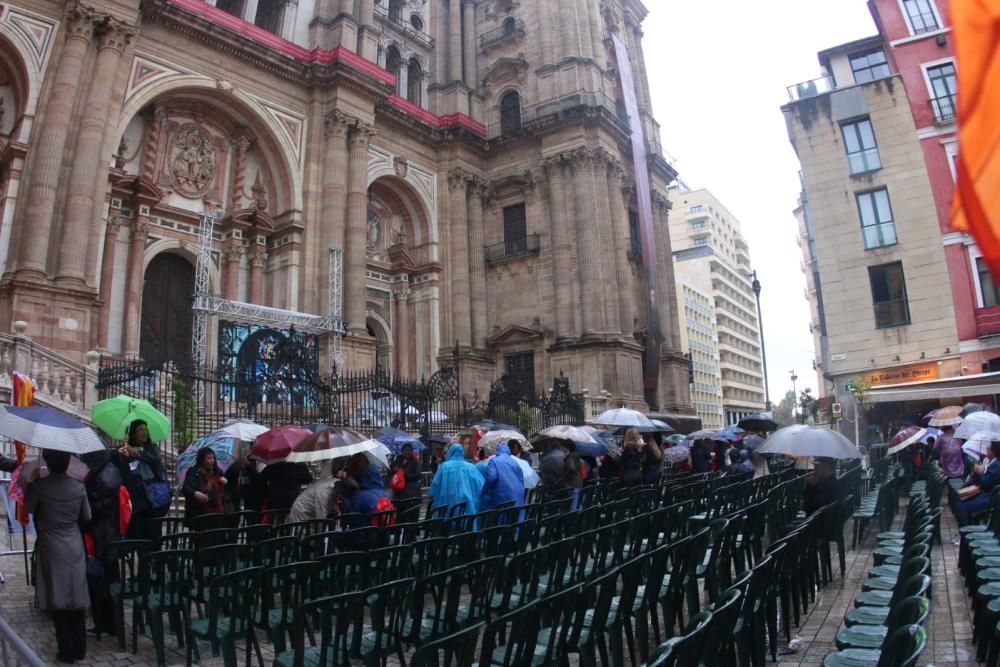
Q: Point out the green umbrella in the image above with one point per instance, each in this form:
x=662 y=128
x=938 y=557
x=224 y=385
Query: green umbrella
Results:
x=113 y=416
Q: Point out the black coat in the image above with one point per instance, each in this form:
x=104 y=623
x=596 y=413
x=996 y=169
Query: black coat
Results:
x=283 y=481
x=102 y=493
x=411 y=472
x=631 y=466
x=701 y=459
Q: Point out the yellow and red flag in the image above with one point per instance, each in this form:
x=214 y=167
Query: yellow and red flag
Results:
x=22 y=394
x=976 y=202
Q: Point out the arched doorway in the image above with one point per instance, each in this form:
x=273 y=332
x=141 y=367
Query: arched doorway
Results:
x=383 y=350
x=166 y=323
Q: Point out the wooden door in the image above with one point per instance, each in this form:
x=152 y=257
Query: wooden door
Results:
x=166 y=328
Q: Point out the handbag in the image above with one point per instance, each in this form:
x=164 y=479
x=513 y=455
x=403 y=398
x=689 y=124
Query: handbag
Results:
x=967 y=492
x=158 y=493
x=398 y=482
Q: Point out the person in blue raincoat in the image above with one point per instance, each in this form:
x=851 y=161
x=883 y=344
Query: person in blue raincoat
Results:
x=372 y=490
x=456 y=480
x=503 y=481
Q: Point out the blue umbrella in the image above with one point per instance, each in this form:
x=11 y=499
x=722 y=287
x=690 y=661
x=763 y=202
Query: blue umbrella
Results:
x=394 y=439
x=224 y=445
x=596 y=449
x=48 y=428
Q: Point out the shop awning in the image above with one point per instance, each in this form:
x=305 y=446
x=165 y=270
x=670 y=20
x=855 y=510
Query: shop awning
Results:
x=981 y=384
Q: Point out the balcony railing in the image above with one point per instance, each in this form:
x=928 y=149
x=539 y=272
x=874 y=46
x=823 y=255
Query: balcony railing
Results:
x=401 y=25
x=923 y=22
x=513 y=248
x=811 y=88
x=556 y=107
x=988 y=322
x=944 y=108
x=509 y=30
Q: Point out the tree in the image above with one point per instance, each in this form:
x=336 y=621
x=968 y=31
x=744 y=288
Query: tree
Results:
x=784 y=411
x=808 y=406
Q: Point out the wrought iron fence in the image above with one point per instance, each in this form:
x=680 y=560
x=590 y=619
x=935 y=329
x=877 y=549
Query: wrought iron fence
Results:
x=513 y=401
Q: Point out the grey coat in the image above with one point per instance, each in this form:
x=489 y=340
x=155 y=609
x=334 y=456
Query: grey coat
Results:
x=60 y=506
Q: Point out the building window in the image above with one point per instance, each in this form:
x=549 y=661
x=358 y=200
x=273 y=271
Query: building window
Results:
x=943 y=88
x=269 y=15
x=889 y=295
x=395 y=10
x=635 y=239
x=697 y=208
x=417 y=22
x=515 y=229
x=521 y=366
x=414 y=81
x=876 y=218
x=869 y=65
x=510 y=112
x=394 y=65
x=859 y=142
x=921 y=16
x=509 y=26
x=234 y=7
x=988 y=292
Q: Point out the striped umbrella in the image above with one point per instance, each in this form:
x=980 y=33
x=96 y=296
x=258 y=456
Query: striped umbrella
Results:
x=48 y=428
x=334 y=443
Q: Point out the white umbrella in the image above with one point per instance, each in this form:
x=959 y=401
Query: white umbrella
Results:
x=800 y=440
x=530 y=476
x=48 y=428
x=243 y=429
x=976 y=422
x=979 y=443
x=436 y=417
x=574 y=433
x=623 y=417
x=493 y=439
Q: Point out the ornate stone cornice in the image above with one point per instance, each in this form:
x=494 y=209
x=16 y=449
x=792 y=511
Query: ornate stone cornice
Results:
x=115 y=35
x=361 y=133
x=140 y=230
x=113 y=224
x=257 y=257
x=80 y=21
x=458 y=179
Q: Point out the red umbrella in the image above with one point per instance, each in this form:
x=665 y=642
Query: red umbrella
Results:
x=278 y=442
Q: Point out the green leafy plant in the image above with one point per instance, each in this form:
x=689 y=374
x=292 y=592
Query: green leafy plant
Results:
x=185 y=413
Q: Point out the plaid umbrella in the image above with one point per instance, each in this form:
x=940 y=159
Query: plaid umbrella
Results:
x=223 y=444
x=493 y=439
x=947 y=416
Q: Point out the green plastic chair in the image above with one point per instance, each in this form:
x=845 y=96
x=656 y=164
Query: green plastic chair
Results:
x=390 y=564
x=598 y=594
x=211 y=563
x=448 y=601
x=686 y=649
x=386 y=609
x=719 y=651
x=910 y=611
x=165 y=581
x=231 y=601
x=901 y=649
x=316 y=545
x=342 y=572
x=336 y=621
x=917 y=565
x=125 y=584
x=181 y=541
x=276 y=551
x=454 y=650
x=283 y=589
x=917 y=584
x=560 y=617
x=510 y=639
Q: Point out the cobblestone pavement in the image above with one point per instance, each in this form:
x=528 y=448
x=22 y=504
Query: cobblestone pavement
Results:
x=949 y=625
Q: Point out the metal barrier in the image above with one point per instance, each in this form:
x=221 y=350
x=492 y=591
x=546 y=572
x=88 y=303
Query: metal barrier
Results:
x=14 y=652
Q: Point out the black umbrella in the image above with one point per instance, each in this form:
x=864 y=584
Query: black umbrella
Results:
x=969 y=408
x=758 y=422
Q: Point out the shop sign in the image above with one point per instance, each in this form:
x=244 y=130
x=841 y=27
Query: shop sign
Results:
x=902 y=374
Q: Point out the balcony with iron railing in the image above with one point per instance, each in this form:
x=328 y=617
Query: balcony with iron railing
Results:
x=811 y=88
x=511 y=29
x=555 y=108
x=396 y=21
x=515 y=248
x=944 y=109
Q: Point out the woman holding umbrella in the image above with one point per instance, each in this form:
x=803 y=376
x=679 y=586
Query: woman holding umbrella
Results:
x=632 y=457
x=203 y=487
x=60 y=505
x=146 y=481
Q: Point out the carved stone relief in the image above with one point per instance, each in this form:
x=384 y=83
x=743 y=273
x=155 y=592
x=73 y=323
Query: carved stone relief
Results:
x=192 y=161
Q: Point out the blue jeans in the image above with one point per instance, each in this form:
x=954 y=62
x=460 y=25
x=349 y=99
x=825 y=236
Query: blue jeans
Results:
x=964 y=509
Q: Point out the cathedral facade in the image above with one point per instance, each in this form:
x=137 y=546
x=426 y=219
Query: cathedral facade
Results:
x=439 y=178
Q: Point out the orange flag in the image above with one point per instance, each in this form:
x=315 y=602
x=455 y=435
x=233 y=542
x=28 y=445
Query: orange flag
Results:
x=976 y=203
x=22 y=394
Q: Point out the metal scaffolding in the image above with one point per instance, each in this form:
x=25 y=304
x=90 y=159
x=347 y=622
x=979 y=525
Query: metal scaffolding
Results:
x=335 y=309
x=202 y=290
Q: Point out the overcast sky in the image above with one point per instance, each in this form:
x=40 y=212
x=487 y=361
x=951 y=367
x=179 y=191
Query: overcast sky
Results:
x=717 y=72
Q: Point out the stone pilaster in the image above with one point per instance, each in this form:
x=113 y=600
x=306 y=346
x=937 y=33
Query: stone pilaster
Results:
x=562 y=246
x=546 y=34
x=596 y=32
x=666 y=287
x=477 y=264
x=642 y=81
x=367 y=42
x=402 y=332
x=469 y=34
x=107 y=277
x=151 y=142
x=623 y=238
x=334 y=196
x=587 y=246
x=356 y=241
x=458 y=211
x=608 y=255
x=238 y=181
x=87 y=159
x=133 y=286
x=50 y=145
x=231 y=258
x=581 y=17
x=257 y=256
x=454 y=40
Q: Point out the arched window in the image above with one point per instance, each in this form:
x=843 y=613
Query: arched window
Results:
x=417 y=22
x=509 y=26
x=510 y=112
x=414 y=81
x=394 y=64
x=395 y=10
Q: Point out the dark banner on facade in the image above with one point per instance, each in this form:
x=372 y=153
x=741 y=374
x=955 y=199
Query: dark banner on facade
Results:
x=647 y=234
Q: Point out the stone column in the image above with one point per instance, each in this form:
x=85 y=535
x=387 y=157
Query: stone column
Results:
x=107 y=277
x=642 y=81
x=607 y=256
x=356 y=242
x=238 y=180
x=258 y=255
x=666 y=287
x=151 y=142
x=402 y=335
x=459 y=258
x=288 y=19
x=622 y=235
x=469 y=31
x=347 y=7
x=596 y=31
x=231 y=258
x=631 y=33
x=587 y=248
x=334 y=197
x=545 y=35
x=567 y=30
x=562 y=249
x=454 y=40
x=50 y=144
x=367 y=44
x=581 y=15
x=477 y=265
x=133 y=286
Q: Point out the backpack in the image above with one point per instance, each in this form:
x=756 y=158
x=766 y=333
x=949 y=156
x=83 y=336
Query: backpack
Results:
x=383 y=505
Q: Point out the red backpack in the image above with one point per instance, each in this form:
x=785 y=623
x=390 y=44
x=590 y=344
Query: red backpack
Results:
x=383 y=505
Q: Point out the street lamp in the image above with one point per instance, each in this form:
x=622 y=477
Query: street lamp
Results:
x=795 y=394
x=755 y=285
